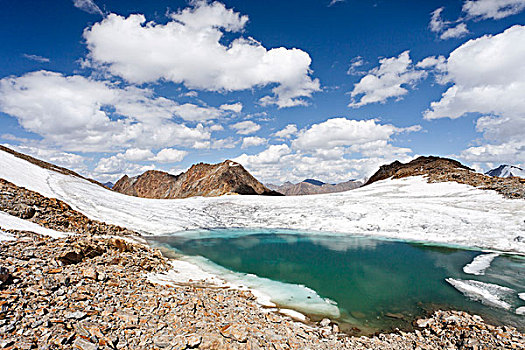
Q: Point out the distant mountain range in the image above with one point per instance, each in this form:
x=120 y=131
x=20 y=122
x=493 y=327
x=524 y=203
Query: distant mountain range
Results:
x=230 y=177
x=506 y=171
x=311 y=186
x=208 y=180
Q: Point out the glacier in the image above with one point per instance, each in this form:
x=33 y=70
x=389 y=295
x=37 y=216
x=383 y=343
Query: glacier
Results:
x=408 y=209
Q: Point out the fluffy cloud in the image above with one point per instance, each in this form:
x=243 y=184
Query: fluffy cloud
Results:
x=338 y=132
x=337 y=149
x=190 y=49
x=235 y=107
x=271 y=155
x=491 y=86
x=506 y=153
x=440 y=26
x=473 y=10
x=287 y=132
x=492 y=9
x=137 y=154
x=246 y=127
x=494 y=87
x=437 y=24
x=88 y=6
x=169 y=155
x=226 y=143
x=252 y=141
x=388 y=80
x=113 y=167
x=216 y=127
x=455 y=32
x=82 y=114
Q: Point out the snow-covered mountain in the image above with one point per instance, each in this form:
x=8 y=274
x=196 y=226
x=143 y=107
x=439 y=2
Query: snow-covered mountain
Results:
x=407 y=208
x=506 y=171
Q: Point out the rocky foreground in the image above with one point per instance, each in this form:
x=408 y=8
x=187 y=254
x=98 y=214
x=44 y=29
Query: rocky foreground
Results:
x=95 y=293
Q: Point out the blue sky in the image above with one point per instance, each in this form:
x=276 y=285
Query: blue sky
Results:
x=290 y=89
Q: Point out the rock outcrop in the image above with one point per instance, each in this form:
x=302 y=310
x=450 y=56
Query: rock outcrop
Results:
x=208 y=180
x=438 y=169
x=310 y=186
x=51 y=213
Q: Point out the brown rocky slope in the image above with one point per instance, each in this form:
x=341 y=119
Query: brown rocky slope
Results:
x=438 y=169
x=51 y=213
x=208 y=180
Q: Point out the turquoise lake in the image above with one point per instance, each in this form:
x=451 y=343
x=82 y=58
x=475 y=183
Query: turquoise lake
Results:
x=376 y=284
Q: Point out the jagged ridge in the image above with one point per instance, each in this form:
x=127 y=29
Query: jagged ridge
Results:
x=201 y=179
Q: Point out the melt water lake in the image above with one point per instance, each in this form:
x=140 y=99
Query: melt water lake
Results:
x=366 y=284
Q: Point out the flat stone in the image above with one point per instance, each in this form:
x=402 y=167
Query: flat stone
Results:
x=77 y=315
x=397 y=316
x=83 y=344
x=235 y=332
x=193 y=340
x=89 y=273
x=422 y=323
x=325 y=322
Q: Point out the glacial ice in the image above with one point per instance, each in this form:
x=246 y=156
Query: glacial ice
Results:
x=479 y=264
x=486 y=293
x=409 y=208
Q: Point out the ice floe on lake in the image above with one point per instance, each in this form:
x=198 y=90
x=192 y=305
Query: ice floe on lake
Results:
x=486 y=293
x=269 y=293
x=479 y=264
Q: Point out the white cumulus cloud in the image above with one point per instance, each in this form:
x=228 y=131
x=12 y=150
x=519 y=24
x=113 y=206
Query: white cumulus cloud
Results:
x=487 y=76
x=390 y=79
x=189 y=49
x=246 y=127
x=455 y=32
x=82 y=114
x=492 y=9
x=337 y=149
x=251 y=141
x=234 y=107
x=169 y=155
x=287 y=132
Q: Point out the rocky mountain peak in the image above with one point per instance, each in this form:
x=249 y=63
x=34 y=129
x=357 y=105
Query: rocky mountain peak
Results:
x=423 y=165
x=437 y=169
x=200 y=179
